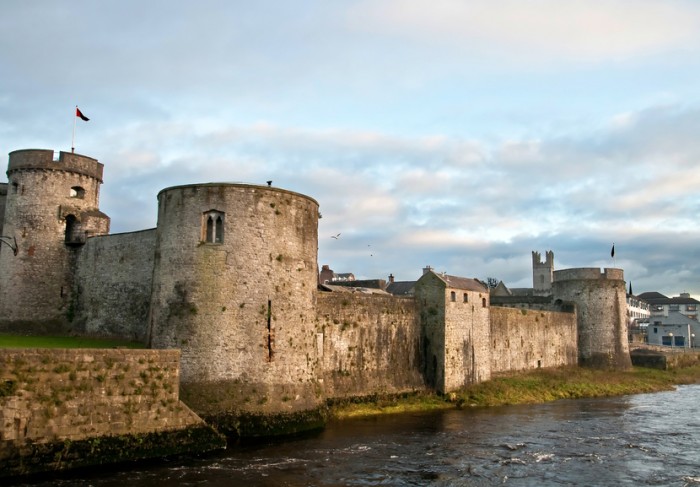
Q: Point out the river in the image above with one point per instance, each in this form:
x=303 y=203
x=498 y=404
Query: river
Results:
x=646 y=439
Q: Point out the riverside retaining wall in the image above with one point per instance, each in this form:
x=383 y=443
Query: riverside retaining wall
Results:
x=65 y=408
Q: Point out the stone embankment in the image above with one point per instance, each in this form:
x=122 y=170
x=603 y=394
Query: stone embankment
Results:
x=67 y=408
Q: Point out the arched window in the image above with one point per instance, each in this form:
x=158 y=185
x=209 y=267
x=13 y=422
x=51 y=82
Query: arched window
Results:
x=453 y=296
x=213 y=226
x=77 y=192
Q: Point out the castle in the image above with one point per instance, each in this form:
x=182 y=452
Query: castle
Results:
x=230 y=277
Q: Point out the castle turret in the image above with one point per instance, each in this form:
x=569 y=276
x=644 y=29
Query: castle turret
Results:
x=600 y=299
x=234 y=288
x=542 y=273
x=51 y=207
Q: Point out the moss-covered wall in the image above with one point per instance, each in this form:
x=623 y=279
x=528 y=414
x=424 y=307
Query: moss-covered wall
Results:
x=368 y=344
x=525 y=339
x=54 y=402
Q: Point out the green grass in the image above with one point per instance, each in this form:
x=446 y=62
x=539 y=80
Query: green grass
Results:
x=533 y=387
x=18 y=341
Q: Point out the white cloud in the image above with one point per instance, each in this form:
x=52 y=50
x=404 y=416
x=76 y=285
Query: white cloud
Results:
x=539 y=30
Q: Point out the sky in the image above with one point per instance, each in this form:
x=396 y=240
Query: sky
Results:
x=461 y=135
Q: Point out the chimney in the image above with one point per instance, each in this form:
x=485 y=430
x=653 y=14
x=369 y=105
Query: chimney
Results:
x=391 y=278
x=427 y=269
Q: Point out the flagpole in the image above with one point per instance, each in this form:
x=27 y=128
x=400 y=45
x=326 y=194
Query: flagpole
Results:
x=72 y=143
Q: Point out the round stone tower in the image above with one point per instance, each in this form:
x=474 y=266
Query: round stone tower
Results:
x=234 y=288
x=600 y=299
x=51 y=207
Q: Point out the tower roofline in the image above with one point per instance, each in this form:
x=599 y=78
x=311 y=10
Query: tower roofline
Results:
x=43 y=159
x=238 y=185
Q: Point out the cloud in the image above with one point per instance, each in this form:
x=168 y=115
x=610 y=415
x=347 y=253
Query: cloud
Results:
x=540 y=30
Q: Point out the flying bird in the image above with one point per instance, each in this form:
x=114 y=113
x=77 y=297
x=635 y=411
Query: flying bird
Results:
x=335 y=236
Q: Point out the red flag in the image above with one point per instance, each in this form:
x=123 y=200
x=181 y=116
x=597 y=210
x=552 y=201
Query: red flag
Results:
x=78 y=113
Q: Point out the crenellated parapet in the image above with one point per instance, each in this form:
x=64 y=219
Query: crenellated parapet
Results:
x=589 y=273
x=44 y=159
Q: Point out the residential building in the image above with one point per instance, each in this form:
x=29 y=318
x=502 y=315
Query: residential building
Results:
x=675 y=329
x=661 y=305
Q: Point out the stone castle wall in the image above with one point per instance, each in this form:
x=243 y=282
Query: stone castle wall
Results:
x=113 y=270
x=64 y=408
x=600 y=298
x=368 y=345
x=3 y=199
x=229 y=277
x=36 y=284
x=430 y=300
x=467 y=338
x=241 y=308
x=527 y=339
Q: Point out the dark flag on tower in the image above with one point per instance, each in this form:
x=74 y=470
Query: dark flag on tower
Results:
x=612 y=251
x=78 y=113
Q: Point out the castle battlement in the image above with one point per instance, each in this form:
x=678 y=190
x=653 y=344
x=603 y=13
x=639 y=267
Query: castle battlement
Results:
x=589 y=273
x=43 y=159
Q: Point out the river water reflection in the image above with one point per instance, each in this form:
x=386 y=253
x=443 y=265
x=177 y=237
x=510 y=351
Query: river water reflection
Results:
x=648 y=439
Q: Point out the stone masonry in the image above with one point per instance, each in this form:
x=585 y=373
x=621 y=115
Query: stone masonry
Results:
x=230 y=278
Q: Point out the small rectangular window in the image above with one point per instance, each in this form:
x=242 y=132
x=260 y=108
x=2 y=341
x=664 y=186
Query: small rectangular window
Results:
x=453 y=296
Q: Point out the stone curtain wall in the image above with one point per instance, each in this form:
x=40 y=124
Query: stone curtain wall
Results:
x=3 y=198
x=527 y=339
x=55 y=403
x=368 y=344
x=112 y=293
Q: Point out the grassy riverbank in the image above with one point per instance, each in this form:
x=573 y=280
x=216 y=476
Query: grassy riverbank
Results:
x=529 y=388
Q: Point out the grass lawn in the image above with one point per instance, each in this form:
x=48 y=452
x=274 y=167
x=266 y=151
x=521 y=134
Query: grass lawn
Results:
x=19 y=341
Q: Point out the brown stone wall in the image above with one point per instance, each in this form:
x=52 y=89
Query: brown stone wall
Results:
x=600 y=298
x=528 y=339
x=241 y=310
x=430 y=302
x=113 y=281
x=368 y=344
x=37 y=282
x=3 y=198
x=72 y=394
x=467 y=338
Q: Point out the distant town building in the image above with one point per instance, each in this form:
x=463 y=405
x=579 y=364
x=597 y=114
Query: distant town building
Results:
x=328 y=276
x=638 y=311
x=674 y=329
x=661 y=305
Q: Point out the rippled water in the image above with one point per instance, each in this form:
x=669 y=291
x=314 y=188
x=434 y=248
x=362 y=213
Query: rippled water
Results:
x=649 y=439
